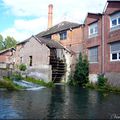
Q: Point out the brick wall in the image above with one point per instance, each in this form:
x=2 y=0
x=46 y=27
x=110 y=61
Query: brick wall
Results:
x=94 y=68
x=110 y=37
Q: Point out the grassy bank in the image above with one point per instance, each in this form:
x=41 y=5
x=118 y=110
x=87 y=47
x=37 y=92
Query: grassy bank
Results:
x=8 y=84
x=106 y=88
x=39 y=82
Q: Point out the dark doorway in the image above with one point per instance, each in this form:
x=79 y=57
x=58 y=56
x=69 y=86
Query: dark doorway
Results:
x=30 y=60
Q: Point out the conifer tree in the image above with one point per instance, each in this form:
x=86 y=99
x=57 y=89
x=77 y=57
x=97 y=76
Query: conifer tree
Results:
x=81 y=71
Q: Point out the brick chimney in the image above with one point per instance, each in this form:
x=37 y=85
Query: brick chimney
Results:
x=50 y=11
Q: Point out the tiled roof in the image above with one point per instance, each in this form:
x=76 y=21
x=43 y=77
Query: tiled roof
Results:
x=65 y=25
x=48 y=42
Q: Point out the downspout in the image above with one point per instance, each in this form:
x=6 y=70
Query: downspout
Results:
x=103 y=39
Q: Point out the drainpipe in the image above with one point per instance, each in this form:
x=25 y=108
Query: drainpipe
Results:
x=103 y=40
x=103 y=48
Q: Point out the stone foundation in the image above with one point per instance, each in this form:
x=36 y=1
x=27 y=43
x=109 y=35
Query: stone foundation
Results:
x=43 y=72
x=113 y=79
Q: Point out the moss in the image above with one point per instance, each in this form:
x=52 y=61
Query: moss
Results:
x=39 y=82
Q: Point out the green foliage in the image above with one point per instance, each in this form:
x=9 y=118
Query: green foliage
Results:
x=9 y=85
x=10 y=42
x=102 y=81
x=17 y=77
x=81 y=71
x=39 y=82
x=1 y=43
x=91 y=85
x=71 y=80
x=22 y=67
x=6 y=43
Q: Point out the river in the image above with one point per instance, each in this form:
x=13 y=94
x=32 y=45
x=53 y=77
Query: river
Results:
x=61 y=102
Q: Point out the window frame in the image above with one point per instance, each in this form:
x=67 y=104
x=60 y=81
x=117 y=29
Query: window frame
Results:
x=63 y=35
x=93 y=27
x=89 y=56
x=116 y=17
x=114 y=52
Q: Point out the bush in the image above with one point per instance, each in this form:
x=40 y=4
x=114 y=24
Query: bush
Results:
x=102 y=81
x=22 y=67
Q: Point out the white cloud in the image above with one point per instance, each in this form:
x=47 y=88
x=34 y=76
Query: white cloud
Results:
x=69 y=10
x=22 y=29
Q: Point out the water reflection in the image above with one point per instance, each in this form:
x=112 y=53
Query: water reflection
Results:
x=62 y=102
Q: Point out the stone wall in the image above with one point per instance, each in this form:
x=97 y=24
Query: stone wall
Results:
x=113 y=79
x=40 y=53
x=43 y=72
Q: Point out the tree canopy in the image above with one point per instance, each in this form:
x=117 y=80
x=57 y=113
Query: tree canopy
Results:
x=8 y=42
x=1 y=43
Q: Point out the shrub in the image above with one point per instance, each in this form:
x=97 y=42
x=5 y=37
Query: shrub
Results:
x=22 y=67
x=102 y=81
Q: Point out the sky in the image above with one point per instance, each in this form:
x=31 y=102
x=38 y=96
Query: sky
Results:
x=23 y=18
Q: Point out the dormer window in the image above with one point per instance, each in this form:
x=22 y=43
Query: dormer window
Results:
x=93 y=30
x=63 y=35
x=115 y=21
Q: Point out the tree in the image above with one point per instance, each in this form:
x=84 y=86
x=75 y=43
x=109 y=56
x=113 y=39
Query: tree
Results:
x=9 y=42
x=1 y=43
x=81 y=71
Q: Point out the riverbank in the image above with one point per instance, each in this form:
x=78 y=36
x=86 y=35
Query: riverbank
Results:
x=9 y=84
x=106 y=88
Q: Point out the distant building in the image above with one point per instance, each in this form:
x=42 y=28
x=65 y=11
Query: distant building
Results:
x=69 y=34
x=44 y=56
x=6 y=58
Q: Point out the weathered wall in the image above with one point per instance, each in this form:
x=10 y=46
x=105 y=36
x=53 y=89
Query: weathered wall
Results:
x=43 y=72
x=5 y=56
x=39 y=52
x=40 y=58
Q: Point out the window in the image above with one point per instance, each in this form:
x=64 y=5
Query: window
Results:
x=63 y=35
x=93 y=55
x=93 y=30
x=30 y=62
x=115 y=21
x=48 y=36
x=115 y=51
x=21 y=60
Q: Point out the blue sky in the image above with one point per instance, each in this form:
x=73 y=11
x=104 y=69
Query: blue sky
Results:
x=23 y=18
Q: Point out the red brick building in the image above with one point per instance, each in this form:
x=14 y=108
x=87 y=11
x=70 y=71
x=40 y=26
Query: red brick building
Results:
x=102 y=42
x=92 y=43
x=111 y=40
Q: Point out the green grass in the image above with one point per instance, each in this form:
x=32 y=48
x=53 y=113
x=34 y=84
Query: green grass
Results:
x=39 y=82
x=9 y=85
x=106 y=88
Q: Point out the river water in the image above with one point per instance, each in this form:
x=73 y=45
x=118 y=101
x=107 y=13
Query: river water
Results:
x=61 y=102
